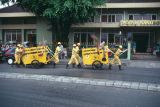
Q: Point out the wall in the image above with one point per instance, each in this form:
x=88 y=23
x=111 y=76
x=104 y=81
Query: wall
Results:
x=95 y=31
x=158 y=37
x=0 y=31
x=43 y=33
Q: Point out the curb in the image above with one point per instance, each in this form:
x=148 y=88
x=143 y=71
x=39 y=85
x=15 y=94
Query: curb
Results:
x=98 y=82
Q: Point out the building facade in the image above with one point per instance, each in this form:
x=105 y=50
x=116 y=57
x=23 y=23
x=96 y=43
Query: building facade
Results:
x=116 y=22
x=18 y=25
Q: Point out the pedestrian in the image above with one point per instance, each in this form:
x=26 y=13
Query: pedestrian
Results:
x=73 y=57
x=116 y=58
x=56 y=54
x=65 y=53
x=134 y=47
x=77 y=55
x=18 y=54
x=61 y=55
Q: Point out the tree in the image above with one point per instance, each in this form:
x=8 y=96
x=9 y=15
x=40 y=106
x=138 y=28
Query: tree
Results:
x=62 y=13
x=6 y=2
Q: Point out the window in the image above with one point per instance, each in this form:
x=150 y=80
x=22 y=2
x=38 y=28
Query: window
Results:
x=111 y=18
x=90 y=40
x=154 y=17
x=104 y=18
x=130 y=17
x=111 y=38
x=91 y=19
x=137 y=17
x=146 y=17
x=13 y=35
x=118 y=18
x=84 y=38
x=76 y=37
x=104 y=37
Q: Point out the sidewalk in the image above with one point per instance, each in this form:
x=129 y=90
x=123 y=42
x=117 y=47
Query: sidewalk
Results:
x=142 y=63
x=132 y=63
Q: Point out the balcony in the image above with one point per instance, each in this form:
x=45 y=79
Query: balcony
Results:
x=18 y=26
x=140 y=23
x=97 y=25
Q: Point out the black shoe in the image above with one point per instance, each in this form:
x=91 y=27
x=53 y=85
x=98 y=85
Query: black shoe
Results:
x=73 y=65
x=119 y=67
x=54 y=64
x=79 y=65
x=110 y=67
x=67 y=66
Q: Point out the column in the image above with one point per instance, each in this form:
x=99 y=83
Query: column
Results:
x=22 y=34
x=129 y=51
x=129 y=35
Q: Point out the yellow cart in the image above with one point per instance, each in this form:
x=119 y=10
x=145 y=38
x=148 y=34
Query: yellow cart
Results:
x=37 y=56
x=94 y=57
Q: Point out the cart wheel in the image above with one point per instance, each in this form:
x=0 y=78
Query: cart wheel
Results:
x=10 y=61
x=35 y=64
x=97 y=65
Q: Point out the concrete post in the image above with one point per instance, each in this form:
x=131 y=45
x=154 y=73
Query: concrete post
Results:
x=129 y=51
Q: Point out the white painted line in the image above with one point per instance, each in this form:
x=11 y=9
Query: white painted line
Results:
x=109 y=83
x=153 y=87
x=126 y=84
x=143 y=86
x=118 y=83
x=135 y=85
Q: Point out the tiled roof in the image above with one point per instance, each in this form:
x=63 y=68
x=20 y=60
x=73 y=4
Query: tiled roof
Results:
x=12 y=9
x=15 y=8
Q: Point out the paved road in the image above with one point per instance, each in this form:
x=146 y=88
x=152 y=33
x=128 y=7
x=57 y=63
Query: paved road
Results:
x=29 y=93
x=146 y=75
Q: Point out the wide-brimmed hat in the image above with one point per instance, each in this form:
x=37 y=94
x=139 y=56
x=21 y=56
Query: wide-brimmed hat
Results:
x=78 y=44
x=59 y=43
x=120 y=46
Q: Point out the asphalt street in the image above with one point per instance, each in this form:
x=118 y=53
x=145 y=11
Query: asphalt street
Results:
x=30 y=93
x=146 y=75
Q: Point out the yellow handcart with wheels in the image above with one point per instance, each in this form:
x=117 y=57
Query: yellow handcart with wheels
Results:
x=37 y=56
x=94 y=57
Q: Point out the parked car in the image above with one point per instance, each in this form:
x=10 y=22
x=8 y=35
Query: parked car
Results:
x=1 y=56
x=9 y=56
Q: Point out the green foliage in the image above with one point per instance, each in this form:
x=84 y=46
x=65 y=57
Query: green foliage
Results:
x=62 y=13
x=2 y=2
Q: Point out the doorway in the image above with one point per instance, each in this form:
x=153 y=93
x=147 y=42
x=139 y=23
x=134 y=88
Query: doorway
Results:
x=32 y=39
x=141 y=40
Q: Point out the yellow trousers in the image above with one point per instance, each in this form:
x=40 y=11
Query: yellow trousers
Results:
x=78 y=58
x=73 y=60
x=56 y=59
x=116 y=59
x=17 y=59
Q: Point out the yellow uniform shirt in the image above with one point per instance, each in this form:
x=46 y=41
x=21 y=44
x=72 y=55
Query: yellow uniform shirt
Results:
x=74 y=51
x=118 y=52
x=57 y=51
x=18 y=51
x=77 y=47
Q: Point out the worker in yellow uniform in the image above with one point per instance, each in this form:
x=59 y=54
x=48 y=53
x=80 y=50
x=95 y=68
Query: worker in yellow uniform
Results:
x=116 y=58
x=73 y=57
x=18 y=54
x=56 y=54
x=77 y=55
